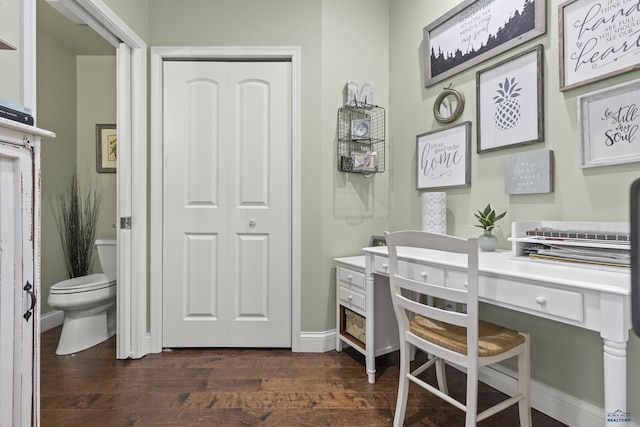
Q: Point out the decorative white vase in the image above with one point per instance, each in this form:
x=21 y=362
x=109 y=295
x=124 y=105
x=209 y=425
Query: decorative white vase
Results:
x=487 y=241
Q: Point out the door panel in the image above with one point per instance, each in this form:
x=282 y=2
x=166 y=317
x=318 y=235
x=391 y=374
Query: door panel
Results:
x=227 y=187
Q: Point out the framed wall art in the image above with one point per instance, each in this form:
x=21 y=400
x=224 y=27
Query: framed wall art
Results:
x=444 y=158
x=598 y=39
x=510 y=102
x=106 y=148
x=477 y=30
x=609 y=125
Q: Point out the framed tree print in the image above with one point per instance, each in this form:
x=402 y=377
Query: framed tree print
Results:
x=443 y=158
x=510 y=102
x=476 y=30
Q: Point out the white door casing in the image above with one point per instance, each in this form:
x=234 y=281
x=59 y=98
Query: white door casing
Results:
x=132 y=338
x=226 y=192
x=158 y=56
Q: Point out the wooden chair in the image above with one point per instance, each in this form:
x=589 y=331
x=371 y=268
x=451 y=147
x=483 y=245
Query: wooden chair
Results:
x=443 y=333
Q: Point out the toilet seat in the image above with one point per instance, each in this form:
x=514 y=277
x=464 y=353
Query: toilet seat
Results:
x=93 y=282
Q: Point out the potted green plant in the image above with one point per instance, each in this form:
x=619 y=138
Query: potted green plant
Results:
x=487 y=219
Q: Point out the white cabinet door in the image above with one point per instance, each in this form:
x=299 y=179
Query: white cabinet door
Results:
x=17 y=298
x=227 y=204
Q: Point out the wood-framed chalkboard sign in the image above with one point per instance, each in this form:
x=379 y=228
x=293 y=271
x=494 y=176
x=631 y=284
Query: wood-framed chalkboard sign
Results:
x=598 y=39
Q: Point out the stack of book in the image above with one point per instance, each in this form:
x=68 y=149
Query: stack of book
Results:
x=16 y=112
x=589 y=247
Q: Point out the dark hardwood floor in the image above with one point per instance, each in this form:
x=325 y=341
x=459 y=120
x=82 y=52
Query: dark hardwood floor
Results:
x=239 y=387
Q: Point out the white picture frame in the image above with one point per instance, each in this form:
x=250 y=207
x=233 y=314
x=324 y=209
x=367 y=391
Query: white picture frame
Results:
x=510 y=102
x=609 y=126
x=443 y=158
x=597 y=40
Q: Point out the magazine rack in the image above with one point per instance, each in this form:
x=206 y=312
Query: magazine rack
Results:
x=586 y=243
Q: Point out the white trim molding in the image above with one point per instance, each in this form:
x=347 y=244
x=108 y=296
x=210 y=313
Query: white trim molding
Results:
x=317 y=342
x=51 y=319
x=160 y=54
x=554 y=403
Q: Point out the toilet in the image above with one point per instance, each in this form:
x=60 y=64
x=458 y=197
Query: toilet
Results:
x=88 y=303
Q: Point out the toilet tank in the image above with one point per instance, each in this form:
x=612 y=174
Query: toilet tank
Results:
x=107 y=254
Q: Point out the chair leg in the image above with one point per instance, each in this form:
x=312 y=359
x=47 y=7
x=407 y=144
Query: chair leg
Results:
x=403 y=385
x=524 y=384
x=472 y=395
x=441 y=376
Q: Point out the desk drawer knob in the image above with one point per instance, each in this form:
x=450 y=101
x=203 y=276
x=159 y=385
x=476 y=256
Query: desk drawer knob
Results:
x=466 y=284
x=385 y=266
x=350 y=277
x=350 y=297
x=423 y=274
x=541 y=300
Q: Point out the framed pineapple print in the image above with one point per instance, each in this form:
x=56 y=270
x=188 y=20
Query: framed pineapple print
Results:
x=510 y=102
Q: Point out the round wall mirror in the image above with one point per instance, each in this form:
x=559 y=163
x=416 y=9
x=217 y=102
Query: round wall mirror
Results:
x=448 y=106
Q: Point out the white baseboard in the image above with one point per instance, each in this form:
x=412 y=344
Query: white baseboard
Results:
x=317 y=342
x=51 y=319
x=554 y=403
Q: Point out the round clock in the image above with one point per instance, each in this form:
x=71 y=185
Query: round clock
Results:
x=448 y=105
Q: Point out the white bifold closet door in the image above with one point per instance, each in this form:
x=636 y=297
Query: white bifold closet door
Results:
x=226 y=204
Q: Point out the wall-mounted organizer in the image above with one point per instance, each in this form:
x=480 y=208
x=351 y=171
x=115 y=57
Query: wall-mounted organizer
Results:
x=361 y=133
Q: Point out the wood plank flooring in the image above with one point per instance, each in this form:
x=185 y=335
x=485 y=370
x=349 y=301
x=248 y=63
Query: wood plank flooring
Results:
x=239 y=387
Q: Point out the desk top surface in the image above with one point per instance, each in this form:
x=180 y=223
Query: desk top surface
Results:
x=615 y=280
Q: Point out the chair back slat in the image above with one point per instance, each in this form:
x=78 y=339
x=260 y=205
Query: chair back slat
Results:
x=415 y=307
x=418 y=303
x=429 y=289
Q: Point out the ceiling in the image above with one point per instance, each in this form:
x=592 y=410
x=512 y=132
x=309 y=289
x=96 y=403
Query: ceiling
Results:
x=80 y=39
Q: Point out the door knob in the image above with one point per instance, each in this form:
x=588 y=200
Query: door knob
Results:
x=252 y=222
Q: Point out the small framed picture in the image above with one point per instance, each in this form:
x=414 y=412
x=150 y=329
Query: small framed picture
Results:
x=510 y=102
x=106 y=148
x=360 y=129
x=443 y=158
x=365 y=161
x=377 y=241
x=609 y=125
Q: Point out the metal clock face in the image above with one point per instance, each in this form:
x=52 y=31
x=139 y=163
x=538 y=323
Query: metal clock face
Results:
x=361 y=129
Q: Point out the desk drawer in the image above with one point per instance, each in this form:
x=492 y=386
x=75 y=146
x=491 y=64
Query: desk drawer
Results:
x=422 y=273
x=541 y=299
x=351 y=277
x=351 y=299
x=381 y=265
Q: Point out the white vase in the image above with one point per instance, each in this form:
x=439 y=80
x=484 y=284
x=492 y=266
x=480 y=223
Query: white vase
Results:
x=487 y=241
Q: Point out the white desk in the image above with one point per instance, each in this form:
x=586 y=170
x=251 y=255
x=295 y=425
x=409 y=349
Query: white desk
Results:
x=586 y=297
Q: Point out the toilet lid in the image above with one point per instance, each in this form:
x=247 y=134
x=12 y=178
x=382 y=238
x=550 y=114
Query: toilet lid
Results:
x=92 y=282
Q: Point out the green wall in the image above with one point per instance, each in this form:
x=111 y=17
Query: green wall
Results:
x=57 y=111
x=381 y=41
x=10 y=60
x=74 y=94
x=564 y=357
x=339 y=41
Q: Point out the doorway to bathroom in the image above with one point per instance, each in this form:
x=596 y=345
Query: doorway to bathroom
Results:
x=226 y=190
